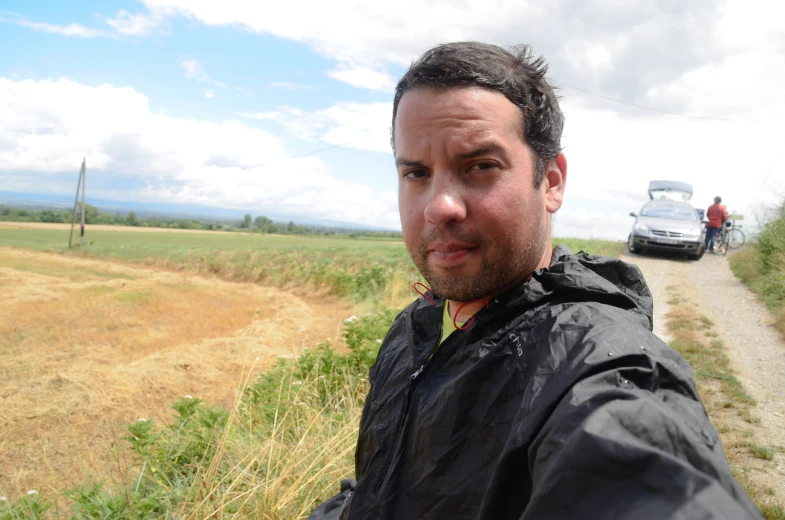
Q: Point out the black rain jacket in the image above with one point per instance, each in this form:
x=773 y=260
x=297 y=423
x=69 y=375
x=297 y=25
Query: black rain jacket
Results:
x=557 y=403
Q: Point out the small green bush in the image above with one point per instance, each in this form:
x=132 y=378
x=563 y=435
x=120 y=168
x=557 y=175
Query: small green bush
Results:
x=30 y=506
x=762 y=267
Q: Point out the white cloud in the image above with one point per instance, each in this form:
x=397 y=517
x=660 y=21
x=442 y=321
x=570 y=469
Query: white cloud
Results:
x=591 y=223
x=364 y=126
x=48 y=126
x=193 y=70
x=726 y=90
x=612 y=158
x=209 y=93
x=363 y=76
x=129 y=24
x=588 y=58
x=622 y=49
x=123 y=24
x=72 y=29
x=639 y=51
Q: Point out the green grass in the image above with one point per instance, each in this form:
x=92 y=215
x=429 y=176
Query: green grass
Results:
x=750 y=417
x=762 y=452
x=768 y=285
x=773 y=512
x=762 y=266
x=143 y=242
x=347 y=267
x=128 y=245
x=592 y=246
x=358 y=269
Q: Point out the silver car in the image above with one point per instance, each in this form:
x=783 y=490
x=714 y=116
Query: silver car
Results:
x=668 y=225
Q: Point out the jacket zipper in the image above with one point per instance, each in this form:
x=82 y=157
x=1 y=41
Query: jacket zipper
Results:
x=401 y=423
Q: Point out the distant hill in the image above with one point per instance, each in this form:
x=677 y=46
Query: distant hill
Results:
x=173 y=211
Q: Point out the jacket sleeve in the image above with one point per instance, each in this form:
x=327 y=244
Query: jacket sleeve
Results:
x=331 y=509
x=618 y=446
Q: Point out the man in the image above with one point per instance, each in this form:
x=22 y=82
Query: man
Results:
x=526 y=384
x=717 y=215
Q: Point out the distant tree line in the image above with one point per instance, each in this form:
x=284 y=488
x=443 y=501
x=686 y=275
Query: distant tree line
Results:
x=260 y=224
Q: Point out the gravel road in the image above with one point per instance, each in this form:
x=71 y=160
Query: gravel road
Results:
x=754 y=346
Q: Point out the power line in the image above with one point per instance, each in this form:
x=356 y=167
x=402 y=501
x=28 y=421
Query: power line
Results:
x=659 y=110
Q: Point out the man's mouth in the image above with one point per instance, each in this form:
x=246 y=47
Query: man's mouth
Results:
x=450 y=253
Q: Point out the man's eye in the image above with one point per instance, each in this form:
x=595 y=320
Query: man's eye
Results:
x=483 y=166
x=415 y=174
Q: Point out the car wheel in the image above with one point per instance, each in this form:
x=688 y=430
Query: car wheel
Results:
x=699 y=255
x=631 y=246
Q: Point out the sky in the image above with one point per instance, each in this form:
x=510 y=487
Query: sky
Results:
x=285 y=107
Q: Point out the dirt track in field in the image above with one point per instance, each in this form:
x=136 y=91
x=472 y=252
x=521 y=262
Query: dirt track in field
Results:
x=87 y=345
x=745 y=326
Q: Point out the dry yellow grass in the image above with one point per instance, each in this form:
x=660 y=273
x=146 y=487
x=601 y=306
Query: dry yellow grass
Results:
x=87 y=345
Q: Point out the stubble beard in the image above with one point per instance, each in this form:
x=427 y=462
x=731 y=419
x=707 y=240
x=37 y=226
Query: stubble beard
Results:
x=499 y=269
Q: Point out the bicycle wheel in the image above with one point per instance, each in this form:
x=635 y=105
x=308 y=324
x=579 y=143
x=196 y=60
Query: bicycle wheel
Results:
x=723 y=239
x=737 y=239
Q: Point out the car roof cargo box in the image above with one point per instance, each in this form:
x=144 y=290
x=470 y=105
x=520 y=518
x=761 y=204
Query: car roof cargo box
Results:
x=670 y=190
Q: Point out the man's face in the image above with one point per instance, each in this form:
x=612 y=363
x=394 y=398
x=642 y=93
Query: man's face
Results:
x=472 y=219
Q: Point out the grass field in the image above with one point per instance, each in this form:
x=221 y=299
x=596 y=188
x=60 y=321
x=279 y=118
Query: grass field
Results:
x=87 y=345
x=95 y=338
x=761 y=265
x=354 y=268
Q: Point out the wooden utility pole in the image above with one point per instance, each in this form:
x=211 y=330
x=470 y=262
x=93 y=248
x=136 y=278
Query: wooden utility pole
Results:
x=84 y=181
x=79 y=184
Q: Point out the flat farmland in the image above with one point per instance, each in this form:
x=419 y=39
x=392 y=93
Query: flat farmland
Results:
x=100 y=336
x=312 y=265
x=89 y=345
x=97 y=337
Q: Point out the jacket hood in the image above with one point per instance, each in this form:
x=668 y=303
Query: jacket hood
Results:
x=606 y=279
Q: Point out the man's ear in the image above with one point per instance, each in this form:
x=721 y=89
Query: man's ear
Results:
x=554 y=182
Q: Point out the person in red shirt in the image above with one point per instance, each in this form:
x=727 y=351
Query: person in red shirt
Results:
x=717 y=215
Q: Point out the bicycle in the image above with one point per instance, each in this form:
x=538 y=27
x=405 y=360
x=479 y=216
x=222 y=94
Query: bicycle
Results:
x=730 y=237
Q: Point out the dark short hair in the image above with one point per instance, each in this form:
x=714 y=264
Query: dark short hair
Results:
x=717 y=200
x=514 y=72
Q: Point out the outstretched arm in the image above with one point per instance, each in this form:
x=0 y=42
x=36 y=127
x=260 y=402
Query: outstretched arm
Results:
x=612 y=450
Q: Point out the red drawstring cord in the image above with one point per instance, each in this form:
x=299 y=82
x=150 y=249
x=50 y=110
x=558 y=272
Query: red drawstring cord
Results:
x=424 y=293
x=471 y=320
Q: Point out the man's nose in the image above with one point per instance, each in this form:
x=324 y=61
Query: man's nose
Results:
x=445 y=201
